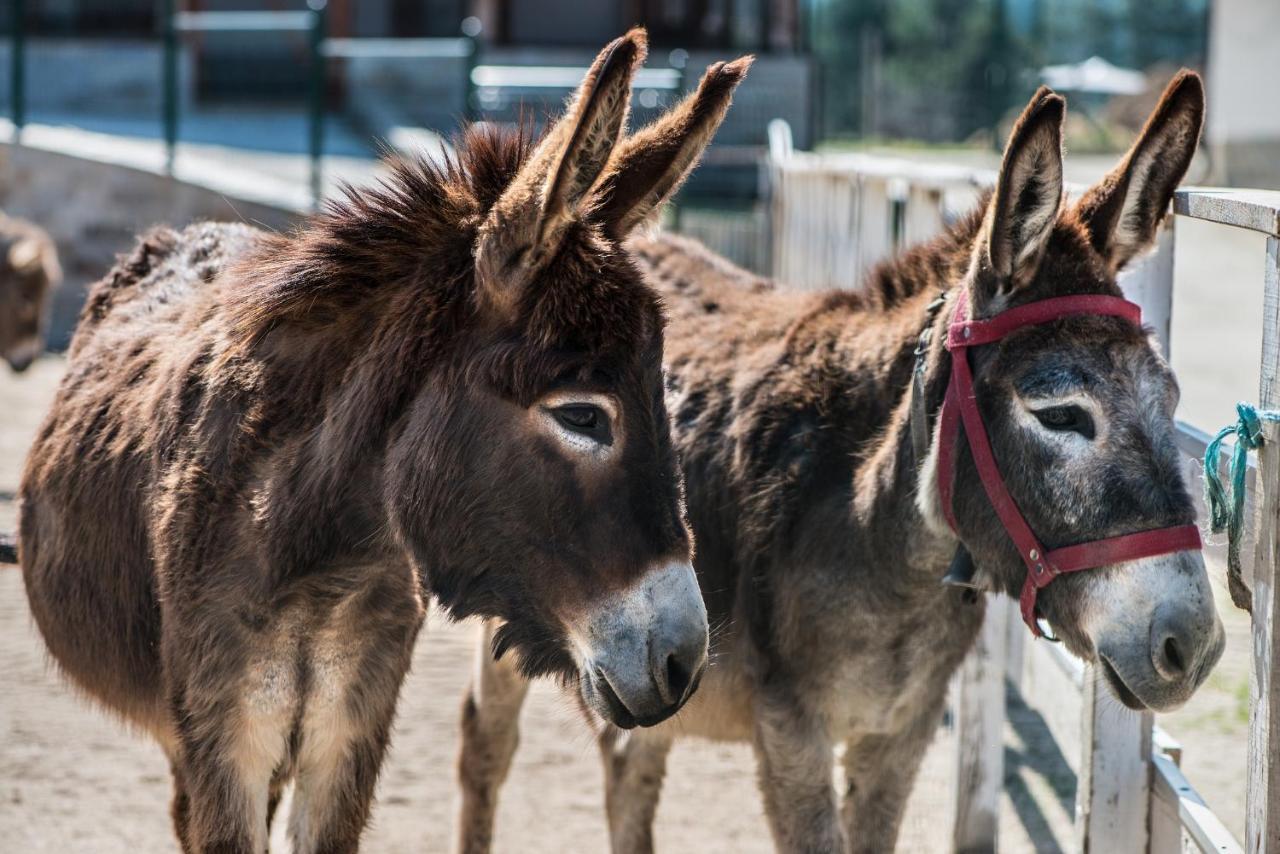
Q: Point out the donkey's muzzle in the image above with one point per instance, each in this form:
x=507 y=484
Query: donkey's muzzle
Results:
x=1156 y=630
x=646 y=648
x=21 y=356
x=1184 y=645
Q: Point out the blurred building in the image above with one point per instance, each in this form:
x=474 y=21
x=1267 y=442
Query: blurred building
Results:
x=247 y=65
x=404 y=63
x=757 y=24
x=1243 y=127
x=764 y=25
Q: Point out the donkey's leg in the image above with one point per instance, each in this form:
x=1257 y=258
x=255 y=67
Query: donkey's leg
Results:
x=879 y=773
x=356 y=668
x=275 y=792
x=795 y=763
x=233 y=737
x=490 y=734
x=634 y=764
x=180 y=809
x=233 y=697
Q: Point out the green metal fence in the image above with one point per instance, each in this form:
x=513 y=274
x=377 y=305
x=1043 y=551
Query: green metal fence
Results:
x=18 y=65
x=511 y=89
x=312 y=22
x=176 y=23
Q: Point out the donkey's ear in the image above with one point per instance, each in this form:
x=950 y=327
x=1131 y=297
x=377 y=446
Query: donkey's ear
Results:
x=589 y=133
x=1028 y=194
x=1124 y=210
x=25 y=255
x=526 y=225
x=650 y=165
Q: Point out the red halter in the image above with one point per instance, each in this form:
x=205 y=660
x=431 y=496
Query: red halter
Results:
x=1042 y=566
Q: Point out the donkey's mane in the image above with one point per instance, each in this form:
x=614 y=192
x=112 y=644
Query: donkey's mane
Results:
x=416 y=227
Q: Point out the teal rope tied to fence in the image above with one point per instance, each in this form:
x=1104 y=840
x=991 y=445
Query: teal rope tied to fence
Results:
x=1226 y=502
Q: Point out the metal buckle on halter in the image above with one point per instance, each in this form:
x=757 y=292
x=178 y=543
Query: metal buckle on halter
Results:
x=962 y=573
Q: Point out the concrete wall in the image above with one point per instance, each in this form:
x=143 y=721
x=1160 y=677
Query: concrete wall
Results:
x=1244 y=66
x=93 y=210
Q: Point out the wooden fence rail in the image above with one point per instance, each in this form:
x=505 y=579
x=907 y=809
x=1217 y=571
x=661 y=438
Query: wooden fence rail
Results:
x=832 y=218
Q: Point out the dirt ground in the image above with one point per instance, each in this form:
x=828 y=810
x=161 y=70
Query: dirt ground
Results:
x=74 y=780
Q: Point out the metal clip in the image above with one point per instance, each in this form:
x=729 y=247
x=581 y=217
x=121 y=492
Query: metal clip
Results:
x=962 y=570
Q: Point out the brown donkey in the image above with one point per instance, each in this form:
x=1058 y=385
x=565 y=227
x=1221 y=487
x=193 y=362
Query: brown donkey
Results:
x=821 y=540
x=29 y=272
x=269 y=451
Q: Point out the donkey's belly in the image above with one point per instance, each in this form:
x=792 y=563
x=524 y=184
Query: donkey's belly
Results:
x=92 y=594
x=864 y=673
x=867 y=696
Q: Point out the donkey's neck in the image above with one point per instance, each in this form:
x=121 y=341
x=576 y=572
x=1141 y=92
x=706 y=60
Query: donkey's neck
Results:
x=859 y=346
x=883 y=508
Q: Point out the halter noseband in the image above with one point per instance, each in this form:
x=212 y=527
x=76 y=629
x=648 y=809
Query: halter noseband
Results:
x=960 y=404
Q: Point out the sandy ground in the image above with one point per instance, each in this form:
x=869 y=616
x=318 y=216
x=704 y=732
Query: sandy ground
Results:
x=72 y=779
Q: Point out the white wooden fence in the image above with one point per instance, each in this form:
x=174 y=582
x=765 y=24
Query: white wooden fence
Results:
x=832 y=218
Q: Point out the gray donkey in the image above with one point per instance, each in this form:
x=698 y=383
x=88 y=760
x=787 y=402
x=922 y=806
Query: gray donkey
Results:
x=821 y=535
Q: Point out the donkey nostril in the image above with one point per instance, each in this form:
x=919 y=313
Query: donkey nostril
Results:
x=1173 y=656
x=677 y=676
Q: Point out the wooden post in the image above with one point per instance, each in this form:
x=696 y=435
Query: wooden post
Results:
x=1180 y=819
x=1166 y=824
x=1015 y=642
x=316 y=85
x=979 y=706
x=1262 y=829
x=169 y=69
x=924 y=215
x=873 y=241
x=1150 y=285
x=1114 y=786
x=779 y=226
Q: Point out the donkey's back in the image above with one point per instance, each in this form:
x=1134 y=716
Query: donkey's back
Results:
x=93 y=472
x=160 y=285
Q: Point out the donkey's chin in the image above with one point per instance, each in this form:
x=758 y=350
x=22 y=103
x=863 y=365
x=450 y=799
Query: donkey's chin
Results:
x=1119 y=688
x=600 y=698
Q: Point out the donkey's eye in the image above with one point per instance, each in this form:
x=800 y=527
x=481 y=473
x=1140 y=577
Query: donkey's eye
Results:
x=1066 y=419
x=590 y=421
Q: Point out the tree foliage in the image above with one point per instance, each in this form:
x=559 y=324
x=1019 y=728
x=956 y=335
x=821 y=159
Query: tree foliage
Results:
x=944 y=70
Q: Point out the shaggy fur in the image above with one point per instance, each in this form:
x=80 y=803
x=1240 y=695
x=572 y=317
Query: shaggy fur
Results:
x=816 y=551
x=29 y=273
x=269 y=450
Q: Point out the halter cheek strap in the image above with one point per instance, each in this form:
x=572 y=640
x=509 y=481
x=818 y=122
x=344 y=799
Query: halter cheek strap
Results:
x=960 y=405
